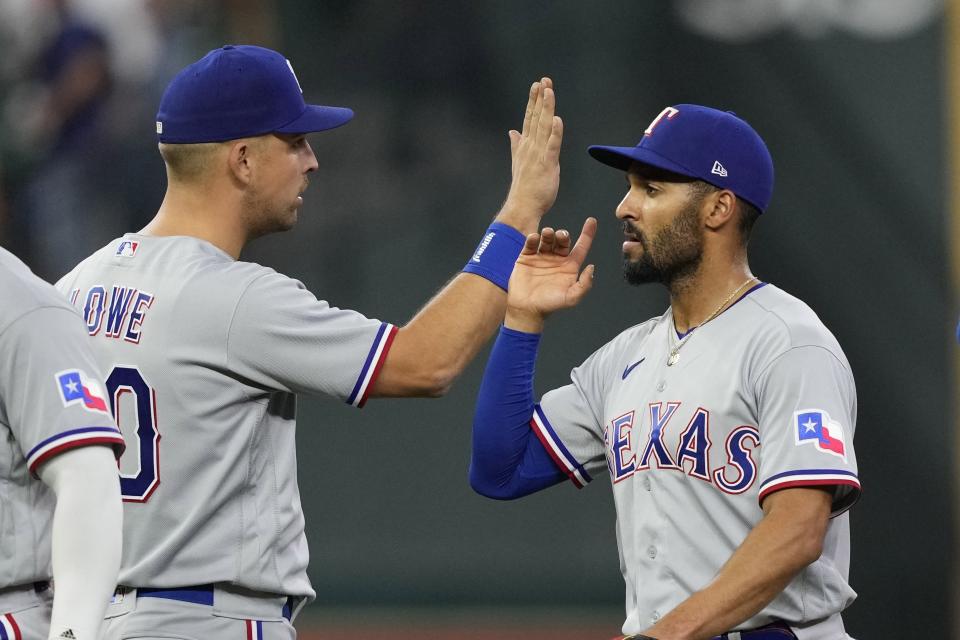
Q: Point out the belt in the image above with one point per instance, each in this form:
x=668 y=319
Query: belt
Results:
x=201 y=594
x=22 y=596
x=775 y=631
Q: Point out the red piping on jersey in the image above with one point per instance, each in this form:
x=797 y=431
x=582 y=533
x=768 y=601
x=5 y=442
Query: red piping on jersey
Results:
x=15 y=626
x=810 y=483
x=553 y=454
x=113 y=441
x=379 y=365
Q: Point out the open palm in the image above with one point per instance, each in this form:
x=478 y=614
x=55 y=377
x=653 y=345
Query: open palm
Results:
x=547 y=276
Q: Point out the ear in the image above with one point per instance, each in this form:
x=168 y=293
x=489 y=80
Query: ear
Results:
x=721 y=209
x=240 y=160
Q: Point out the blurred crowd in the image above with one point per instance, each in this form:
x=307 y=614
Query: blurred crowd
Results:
x=79 y=85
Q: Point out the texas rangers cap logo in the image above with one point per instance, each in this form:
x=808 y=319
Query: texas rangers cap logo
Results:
x=814 y=426
x=77 y=387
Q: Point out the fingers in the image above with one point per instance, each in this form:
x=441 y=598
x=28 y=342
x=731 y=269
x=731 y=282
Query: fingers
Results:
x=579 y=289
x=537 y=110
x=544 y=122
x=555 y=140
x=531 y=105
x=562 y=245
x=530 y=245
x=584 y=242
x=548 y=239
x=514 y=141
x=538 y=118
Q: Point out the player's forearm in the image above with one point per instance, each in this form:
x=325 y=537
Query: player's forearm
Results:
x=522 y=320
x=787 y=539
x=433 y=349
x=87 y=530
x=507 y=462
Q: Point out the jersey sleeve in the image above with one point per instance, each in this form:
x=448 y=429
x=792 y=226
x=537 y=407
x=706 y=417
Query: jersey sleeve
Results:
x=807 y=413
x=51 y=388
x=569 y=421
x=282 y=337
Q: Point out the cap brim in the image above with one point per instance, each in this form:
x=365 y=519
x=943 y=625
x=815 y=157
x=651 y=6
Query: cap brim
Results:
x=622 y=157
x=318 y=118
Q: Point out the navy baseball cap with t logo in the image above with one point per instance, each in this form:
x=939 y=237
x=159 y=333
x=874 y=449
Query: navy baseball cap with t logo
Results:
x=239 y=92
x=703 y=143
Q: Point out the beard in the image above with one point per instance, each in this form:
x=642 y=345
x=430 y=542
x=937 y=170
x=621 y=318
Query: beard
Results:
x=672 y=254
x=263 y=216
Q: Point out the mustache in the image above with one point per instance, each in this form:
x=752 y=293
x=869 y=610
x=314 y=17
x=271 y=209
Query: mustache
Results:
x=634 y=234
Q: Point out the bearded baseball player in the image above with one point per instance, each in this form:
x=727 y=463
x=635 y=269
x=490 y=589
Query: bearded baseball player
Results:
x=60 y=510
x=726 y=424
x=204 y=354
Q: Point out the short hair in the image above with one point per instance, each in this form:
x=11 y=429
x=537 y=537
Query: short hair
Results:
x=748 y=217
x=188 y=162
x=747 y=213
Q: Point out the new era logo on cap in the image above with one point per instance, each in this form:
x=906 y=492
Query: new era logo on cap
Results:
x=689 y=140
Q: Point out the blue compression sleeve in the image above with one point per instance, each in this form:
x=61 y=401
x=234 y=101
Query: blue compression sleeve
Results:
x=508 y=460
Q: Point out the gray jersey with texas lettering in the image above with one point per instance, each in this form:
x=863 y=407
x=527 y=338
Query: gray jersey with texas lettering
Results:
x=761 y=399
x=51 y=400
x=203 y=356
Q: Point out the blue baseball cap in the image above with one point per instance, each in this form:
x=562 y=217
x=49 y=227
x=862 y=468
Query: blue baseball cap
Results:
x=703 y=143
x=238 y=92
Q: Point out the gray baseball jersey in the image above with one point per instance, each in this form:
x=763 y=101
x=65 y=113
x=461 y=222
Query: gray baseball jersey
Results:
x=51 y=400
x=203 y=356
x=761 y=399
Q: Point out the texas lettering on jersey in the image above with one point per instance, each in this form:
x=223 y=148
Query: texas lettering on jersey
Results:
x=117 y=310
x=691 y=455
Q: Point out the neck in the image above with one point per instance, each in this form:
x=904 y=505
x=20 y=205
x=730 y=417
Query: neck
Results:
x=696 y=296
x=206 y=215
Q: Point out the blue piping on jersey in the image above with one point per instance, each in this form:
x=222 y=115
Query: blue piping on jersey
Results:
x=748 y=292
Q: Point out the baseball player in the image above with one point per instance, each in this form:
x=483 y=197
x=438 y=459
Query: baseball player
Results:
x=60 y=494
x=726 y=424
x=204 y=354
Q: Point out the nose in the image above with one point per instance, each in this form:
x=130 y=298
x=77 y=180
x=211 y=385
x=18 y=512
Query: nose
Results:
x=312 y=164
x=629 y=207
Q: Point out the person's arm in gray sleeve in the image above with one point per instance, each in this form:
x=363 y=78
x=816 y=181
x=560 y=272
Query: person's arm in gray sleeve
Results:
x=87 y=532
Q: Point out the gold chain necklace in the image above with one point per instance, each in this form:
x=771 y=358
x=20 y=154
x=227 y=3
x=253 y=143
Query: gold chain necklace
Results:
x=675 y=352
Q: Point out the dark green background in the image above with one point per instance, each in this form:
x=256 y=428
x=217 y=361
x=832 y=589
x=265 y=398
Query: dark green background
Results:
x=856 y=229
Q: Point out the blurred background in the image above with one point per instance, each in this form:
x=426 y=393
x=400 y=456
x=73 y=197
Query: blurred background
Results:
x=852 y=97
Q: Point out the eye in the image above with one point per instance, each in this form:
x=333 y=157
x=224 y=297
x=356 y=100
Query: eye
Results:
x=651 y=190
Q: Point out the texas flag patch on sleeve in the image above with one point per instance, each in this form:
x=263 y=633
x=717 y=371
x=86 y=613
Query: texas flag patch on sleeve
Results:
x=77 y=387
x=815 y=427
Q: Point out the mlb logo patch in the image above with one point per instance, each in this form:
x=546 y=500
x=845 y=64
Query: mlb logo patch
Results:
x=127 y=248
x=814 y=426
x=77 y=387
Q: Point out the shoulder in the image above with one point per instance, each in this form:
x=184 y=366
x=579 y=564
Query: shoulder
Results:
x=30 y=293
x=66 y=283
x=638 y=332
x=624 y=345
x=783 y=322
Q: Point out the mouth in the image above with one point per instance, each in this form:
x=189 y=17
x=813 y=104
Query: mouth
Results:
x=632 y=240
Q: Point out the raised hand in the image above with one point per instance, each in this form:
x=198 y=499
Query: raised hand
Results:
x=547 y=276
x=535 y=161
